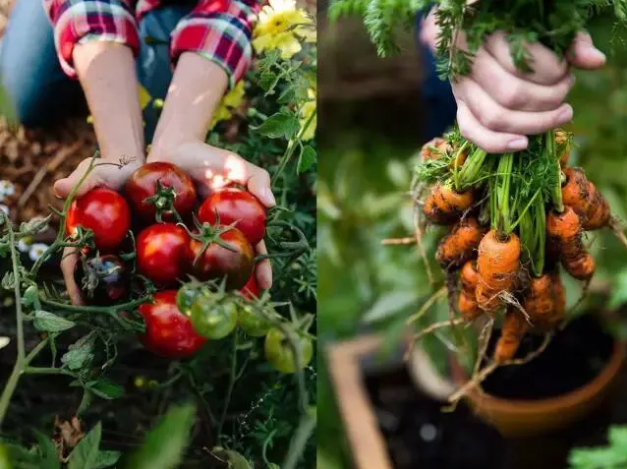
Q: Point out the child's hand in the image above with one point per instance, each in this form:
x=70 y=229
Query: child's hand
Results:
x=213 y=168
x=498 y=105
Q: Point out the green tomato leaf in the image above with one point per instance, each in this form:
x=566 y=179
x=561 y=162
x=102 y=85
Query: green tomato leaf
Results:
x=49 y=456
x=279 y=125
x=267 y=81
x=35 y=226
x=306 y=159
x=106 y=389
x=30 y=296
x=165 y=444
x=79 y=354
x=86 y=452
x=390 y=304
x=49 y=322
x=106 y=459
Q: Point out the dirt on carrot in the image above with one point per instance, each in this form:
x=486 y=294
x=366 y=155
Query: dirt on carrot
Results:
x=565 y=229
x=460 y=243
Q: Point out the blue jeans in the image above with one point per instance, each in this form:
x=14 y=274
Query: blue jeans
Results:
x=39 y=89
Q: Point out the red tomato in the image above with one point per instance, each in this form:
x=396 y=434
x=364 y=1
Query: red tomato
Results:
x=217 y=262
x=236 y=206
x=103 y=211
x=161 y=250
x=143 y=184
x=251 y=290
x=169 y=333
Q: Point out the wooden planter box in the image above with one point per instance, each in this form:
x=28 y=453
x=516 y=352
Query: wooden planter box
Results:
x=367 y=444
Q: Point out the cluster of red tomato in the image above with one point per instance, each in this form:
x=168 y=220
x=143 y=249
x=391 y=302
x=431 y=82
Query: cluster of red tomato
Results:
x=169 y=248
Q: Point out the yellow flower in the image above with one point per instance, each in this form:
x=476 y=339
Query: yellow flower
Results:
x=144 y=97
x=280 y=26
x=231 y=101
x=305 y=114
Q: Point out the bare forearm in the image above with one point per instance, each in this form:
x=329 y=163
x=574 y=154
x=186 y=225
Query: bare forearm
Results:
x=107 y=74
x=195 y=92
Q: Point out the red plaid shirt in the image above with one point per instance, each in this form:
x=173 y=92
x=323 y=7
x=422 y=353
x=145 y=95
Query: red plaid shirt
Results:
x=220 y=30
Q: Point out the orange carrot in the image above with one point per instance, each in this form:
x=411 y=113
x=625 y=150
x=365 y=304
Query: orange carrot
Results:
x=515 y=326
x=444 y=205
x=545 y=301
x=467 y=302
x=434 y=149
x=498 y=264
x=588 y=203
x=564 y=229
x=598 y=215
x=460 y=243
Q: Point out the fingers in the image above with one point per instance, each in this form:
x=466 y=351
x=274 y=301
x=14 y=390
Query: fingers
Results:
x=584 y=55
x=63 y=187
x=68 y=263
x=263 y=269
x=548 y=68
x=495 y=117
x=513 y=92
x=490 y=141
x=104 y=173
x=214 y=168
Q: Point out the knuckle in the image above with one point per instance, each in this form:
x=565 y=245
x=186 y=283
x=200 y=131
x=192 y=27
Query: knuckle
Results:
x=493 y=119
x=510 y=96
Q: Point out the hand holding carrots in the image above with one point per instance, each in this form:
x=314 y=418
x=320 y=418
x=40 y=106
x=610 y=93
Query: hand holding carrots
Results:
x=499 y=105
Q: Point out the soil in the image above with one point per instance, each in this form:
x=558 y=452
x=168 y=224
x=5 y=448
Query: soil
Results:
x=573 y=358
x=419 y=434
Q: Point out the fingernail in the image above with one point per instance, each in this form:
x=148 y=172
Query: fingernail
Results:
x=596 y=54
x=573 y=80
x=269 y=197
x=517 y=144
x=566 y=115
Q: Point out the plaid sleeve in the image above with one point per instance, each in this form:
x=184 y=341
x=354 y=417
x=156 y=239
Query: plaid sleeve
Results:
x=79 y=21
x=219 y=30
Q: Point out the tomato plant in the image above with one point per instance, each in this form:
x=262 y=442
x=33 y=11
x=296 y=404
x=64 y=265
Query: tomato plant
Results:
x=240 y=208
x=229 y=256
x=161 y=251
x=116 y=369
x=103 y=211
x=161 y=186
x=168 y=331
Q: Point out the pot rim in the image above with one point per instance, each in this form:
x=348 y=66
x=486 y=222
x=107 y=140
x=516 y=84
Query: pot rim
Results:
x=556 y=403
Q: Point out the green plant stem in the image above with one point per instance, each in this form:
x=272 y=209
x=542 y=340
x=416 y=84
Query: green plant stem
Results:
x=35 y=370
x=229 y=391
x=469 y=172
x=96 y=309
x=291 y=146
x=20 y=362
x=297 y=446
x=61 y=233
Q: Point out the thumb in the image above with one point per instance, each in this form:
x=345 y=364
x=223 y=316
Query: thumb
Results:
x=584 y=55
x=63 y=187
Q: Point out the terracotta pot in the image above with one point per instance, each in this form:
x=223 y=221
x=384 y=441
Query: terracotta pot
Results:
x=517 y=418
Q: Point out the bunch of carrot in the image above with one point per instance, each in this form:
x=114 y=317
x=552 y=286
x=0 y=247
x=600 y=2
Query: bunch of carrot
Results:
x=512 y=221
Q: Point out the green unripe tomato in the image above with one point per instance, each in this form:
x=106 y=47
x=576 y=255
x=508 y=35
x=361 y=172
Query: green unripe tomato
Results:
x=186 y=297
x=279 y=353
x=252 y=323
x=212 y=319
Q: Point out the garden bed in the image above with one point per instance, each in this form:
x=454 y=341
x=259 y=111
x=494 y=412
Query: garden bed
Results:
x=390 y=423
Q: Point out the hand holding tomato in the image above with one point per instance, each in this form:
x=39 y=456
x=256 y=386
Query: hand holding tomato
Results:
x=213 y=168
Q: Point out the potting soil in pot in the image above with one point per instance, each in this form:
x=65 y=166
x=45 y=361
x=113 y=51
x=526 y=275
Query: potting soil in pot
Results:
x=574 y=357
